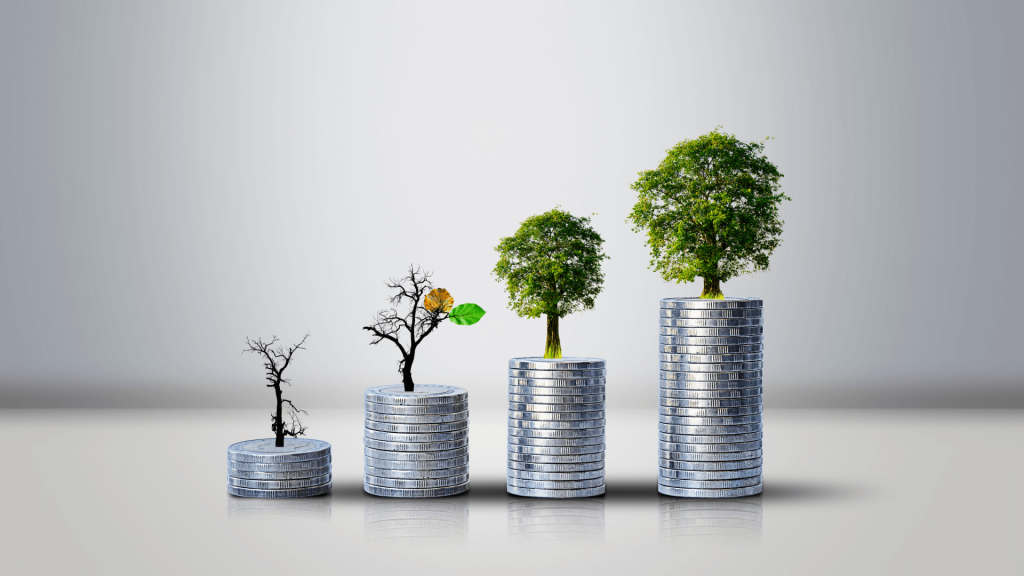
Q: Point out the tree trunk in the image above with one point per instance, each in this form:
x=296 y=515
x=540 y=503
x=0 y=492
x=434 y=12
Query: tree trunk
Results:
x=407 y=373
x=278 y=425
x=553 y=346
x=712 y=289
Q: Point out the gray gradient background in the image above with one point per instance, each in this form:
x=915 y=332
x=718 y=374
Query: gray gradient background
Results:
x=177 y=176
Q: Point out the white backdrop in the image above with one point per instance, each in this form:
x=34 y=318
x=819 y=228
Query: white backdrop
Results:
x=176 y=177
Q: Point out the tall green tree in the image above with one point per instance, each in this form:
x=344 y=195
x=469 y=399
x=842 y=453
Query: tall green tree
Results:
x=551 y=266
x=710 y=209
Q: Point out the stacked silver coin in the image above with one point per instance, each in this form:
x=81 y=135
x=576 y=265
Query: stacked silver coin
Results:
x=556 y=427
x=416 y=444
x=709 y=427
x=259 y=469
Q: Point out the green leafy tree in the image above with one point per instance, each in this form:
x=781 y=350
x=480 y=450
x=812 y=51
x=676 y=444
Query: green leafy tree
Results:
x=551 y=266
x=710 y=209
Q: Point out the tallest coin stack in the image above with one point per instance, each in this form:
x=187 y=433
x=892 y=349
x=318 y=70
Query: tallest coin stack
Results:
x=709 y=425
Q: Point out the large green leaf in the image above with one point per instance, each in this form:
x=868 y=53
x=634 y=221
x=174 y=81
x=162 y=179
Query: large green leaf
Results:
x=466 y=314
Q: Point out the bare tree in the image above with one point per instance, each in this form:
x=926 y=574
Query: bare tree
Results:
x=275 y=361
x=416 y=322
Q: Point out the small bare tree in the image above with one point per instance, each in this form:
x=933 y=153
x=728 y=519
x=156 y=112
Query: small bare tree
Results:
x=418 y=321
x=275 y=361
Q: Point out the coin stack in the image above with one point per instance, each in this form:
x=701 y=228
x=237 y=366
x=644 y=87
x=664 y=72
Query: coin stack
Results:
x=709 y=425
x=259 y=469
x=416 y=444
x=556 y=427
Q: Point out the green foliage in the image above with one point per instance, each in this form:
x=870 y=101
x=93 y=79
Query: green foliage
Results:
x=710 y=209
x=466 y=314
x=551 y=265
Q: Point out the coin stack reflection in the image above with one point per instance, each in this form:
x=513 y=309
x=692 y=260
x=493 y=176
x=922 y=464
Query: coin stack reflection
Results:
x=555 y=521
x=261 y=469
x=416 y=444
x=556 y=427
x=710 y=521
x=709 y=427
x=416 y=523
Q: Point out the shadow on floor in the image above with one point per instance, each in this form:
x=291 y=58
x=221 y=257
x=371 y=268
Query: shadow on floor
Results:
x=788 y=491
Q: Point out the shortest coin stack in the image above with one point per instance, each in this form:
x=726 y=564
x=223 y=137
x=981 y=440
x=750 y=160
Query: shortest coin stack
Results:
x=416 y=444
x=260 y=469
x=556 y=427
x=709 y=427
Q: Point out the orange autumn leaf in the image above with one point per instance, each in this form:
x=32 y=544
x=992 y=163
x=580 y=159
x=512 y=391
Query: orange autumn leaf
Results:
x=438 y=299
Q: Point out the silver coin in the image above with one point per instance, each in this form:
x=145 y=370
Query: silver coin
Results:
x=555 y=450
x=710 y=394
x=556 y=424
x=683 y=303
x=415 y=493
x=723 y=341
x=710 y=402
x=373 y=407
x=280 y=467
x=712 y=448
x=723 y=367
x=535 y=493
x=710 y=332
x=416 y=428
x=264 y=451
x=709 y=475
x=528 y=441
x=538 y=363
x=689 y=493
x=557 y=374
x=557 y=382
x=555 y=484
x=415 y=474
x=555 y=476
x=709 y=439
x=709 y=385
x=563 y=408
x=279 y=484
x=712 y=350
x=432 y=437
x=710 y=484
x=416 y=464
x=711 y=358
x=710 y=456
x=709 y=466
x=556 y=390
x=709 y=430
x=710 y=376
x=582 y=399
x=415 y=446
x=424 y=419
x=523 y=415
x=290 y=493
x=711 y=313
x=555 y=459
x=709 y=421
x=710 y=412
x=533 y=433
x=710 y=323
x=423 y=395
x=438 y=455
x=296 y=475
x=405 y=484
x=551 y=468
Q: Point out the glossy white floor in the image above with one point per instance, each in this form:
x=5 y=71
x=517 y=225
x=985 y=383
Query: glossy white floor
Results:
x=847 y=492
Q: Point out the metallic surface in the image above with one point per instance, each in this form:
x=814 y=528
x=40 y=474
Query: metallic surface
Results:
x=579 y=409
x=415 y=410
x=293 y=493
x=711 y=358
x=567 y=363
x=524 y=415
x=423 y=395
x=415 y=428
x=712 y=350
x=557 y=382
x=422 y=437
x=414 y=456
x=709 y=394
x=709 y=448
x=723 y=367
x=415 y=493
x=556 y=459
x=710 y=322
x=709 y=456
x=279 y=484
x=416 y=446
x=710 y=412
x=415 y=474
x=675 y=342
x=555 y=390
x=709 y=385
x=265 y=452
x=416 y=484
x=416 y=464
x=709 y=474
x=280 y=467
x=288 y=475
x=709 y=421
x=555 y=484
x=424 y=419
x=562 y=476
x=710 y=376
x=728 y=302
x=710 y=332
x=709 y=439
x=541 y=467
x=709 y=402
x=575 y=400
x=530 y=441
x=709 y=466
x=557 y=374
x=555 y=450
x=709 y=313
x=538 y=493
x=699 y=493
x=534 y=433
x=709 y=430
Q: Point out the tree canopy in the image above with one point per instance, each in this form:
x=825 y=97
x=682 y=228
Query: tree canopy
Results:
x=551 y=266
x=710 y=209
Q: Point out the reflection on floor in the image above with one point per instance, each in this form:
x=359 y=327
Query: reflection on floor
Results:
x=538 y=521
x=691 y=521
x=318 y=508
x=409 y=522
